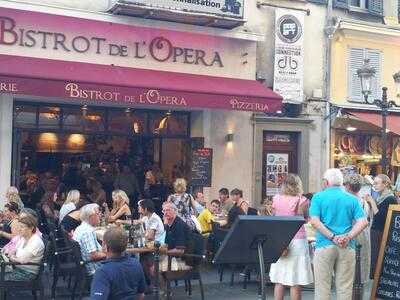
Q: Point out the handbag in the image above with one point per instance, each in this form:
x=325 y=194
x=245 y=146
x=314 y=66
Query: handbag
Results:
x=196 y=223
x=193 y=216
x=285 y=252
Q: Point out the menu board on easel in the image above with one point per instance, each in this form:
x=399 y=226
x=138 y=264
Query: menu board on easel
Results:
x=201 y=167
x=387 y=272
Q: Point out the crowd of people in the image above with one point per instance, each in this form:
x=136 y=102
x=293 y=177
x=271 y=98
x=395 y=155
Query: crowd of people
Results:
x=347 y=211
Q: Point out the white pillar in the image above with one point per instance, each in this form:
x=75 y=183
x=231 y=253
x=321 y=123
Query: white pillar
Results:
x=6 y=121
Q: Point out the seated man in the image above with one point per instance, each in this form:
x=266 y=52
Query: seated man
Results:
x=120 y=276
x=206 y=217
x=85 y=235
x=236 y=210
x=177 y=237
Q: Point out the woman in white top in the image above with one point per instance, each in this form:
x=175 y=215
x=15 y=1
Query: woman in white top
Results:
x=70 y=203
x=29 y=249
x=154 y=227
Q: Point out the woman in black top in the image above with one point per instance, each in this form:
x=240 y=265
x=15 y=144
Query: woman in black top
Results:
x=386 y=197
x=73 y=219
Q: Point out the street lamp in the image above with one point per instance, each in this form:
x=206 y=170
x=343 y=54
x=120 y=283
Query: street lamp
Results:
x=366 y=73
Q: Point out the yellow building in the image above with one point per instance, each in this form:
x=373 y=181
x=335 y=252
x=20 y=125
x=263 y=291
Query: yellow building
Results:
x=356 y=132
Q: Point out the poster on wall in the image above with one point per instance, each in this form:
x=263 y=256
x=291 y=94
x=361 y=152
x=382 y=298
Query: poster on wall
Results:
x=289 y=54
x=277 y=165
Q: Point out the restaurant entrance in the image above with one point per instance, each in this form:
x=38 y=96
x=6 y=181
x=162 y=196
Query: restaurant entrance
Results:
x=48 y=139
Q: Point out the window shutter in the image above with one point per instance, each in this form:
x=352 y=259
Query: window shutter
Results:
x=317 y=1
x=355 y=61
x=375 y=57
x=341 y=3
x=398 y=9
x=375 y=7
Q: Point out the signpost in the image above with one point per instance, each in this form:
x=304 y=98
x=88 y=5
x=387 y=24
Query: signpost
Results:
x=289 y=54
x=387 y=272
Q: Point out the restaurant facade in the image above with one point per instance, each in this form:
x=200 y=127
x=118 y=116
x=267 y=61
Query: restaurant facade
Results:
x=75 y=84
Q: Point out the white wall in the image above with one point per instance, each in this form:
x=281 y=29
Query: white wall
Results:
x=313 y=44
x=313 y=73
x=6 y=114
x=232 y=162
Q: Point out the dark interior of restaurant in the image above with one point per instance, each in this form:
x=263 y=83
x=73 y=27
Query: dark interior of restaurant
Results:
x=49 y=139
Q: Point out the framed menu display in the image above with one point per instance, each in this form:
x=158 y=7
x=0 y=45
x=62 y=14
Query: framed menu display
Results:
x=277 y=167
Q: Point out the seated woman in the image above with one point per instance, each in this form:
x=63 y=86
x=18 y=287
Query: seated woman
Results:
x=153 y=224
x=73 y=219
x=49 y=206
x=120 y=209
x=29 y=249
x=11 y=211
x=12 y=195
x=12 y=244
x=70 y=203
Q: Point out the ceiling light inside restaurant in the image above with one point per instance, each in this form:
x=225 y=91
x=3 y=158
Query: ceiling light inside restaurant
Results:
x=49 y=115
x=136 y=127
x=351 y=128
x=164 y=122
x=93 y=118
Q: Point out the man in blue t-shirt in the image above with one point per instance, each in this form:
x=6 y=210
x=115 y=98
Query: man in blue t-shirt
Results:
x=120 y=277
x=338 y=218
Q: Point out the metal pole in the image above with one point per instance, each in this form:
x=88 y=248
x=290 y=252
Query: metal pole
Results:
x=262 y=269
x=384 y=113
x=156 y=287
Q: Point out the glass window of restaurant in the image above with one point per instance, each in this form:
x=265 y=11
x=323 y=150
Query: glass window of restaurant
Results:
x=49 y=138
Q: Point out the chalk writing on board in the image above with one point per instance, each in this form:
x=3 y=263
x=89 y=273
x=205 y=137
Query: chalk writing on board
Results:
x=201 y=167
x=387 y=281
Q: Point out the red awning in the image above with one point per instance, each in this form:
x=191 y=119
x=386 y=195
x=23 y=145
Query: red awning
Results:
x=105 y=83
x=392 y=121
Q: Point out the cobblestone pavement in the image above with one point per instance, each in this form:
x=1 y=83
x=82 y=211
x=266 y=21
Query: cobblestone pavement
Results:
x=214 y=290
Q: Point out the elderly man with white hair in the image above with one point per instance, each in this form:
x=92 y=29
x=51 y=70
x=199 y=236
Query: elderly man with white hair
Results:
x=85 y=235
x=338 y=217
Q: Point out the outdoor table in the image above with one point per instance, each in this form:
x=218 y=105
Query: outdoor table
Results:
x=156 y=251
x=140 y=250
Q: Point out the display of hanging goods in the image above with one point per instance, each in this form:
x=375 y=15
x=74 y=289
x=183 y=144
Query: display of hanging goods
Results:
x=375 y=145
x=352 y=147
x=366 y=144
x=359 y=144
x=344 y=143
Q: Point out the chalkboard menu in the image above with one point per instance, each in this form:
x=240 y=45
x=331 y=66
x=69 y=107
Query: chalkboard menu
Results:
x=201 y=167
x=387 y=273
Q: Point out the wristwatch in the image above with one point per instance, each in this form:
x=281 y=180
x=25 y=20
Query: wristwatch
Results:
x=332 y=237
